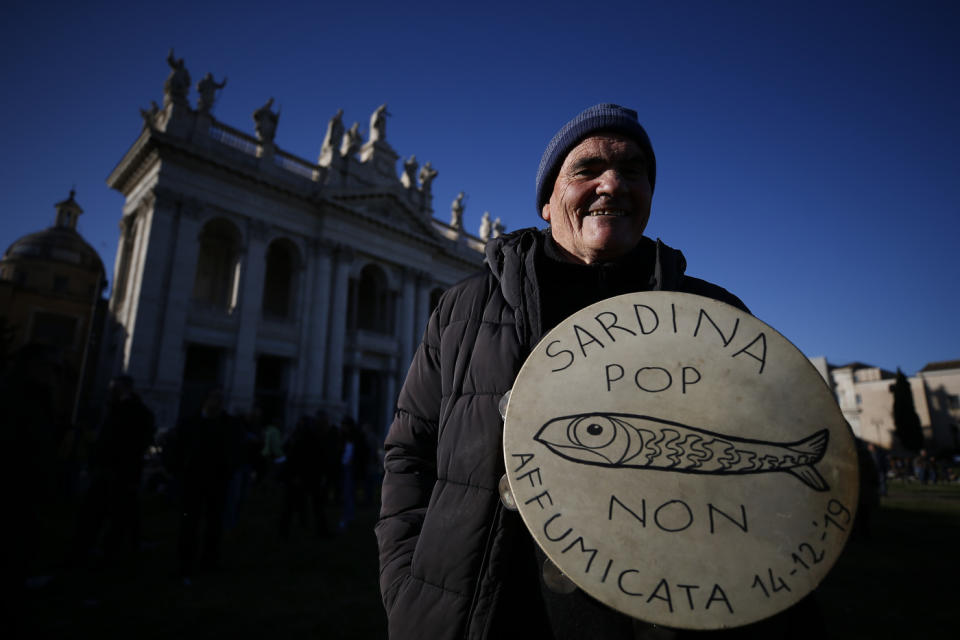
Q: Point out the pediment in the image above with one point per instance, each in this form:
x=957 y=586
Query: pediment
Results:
x=390 y=209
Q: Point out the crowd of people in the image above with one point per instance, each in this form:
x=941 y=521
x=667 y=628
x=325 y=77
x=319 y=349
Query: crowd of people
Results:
x=923 y=468
x=211 y=459
x=205 y=466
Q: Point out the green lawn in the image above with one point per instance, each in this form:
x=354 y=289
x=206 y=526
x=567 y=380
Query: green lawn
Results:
x=899 y=583
x=902 y=581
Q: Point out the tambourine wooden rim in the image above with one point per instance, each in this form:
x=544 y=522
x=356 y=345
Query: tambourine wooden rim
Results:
x=680 y=461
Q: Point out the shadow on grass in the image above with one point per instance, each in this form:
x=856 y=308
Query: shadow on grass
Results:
x=899 y=582
x=303 y=587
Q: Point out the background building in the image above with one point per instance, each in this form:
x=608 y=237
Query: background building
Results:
x=865 y=395
x=51 y=288
x=298 y=286
x=939 y=410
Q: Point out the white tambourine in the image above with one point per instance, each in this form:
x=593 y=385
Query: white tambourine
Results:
x=680 y=461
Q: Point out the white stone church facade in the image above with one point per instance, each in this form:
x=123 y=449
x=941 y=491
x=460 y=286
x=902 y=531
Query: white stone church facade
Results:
x=297 y=286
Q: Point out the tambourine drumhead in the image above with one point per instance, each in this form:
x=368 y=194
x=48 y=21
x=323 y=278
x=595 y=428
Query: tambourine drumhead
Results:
x=680 y=461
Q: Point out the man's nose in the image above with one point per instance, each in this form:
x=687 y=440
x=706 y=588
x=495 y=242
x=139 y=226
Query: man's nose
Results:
x=610 y=182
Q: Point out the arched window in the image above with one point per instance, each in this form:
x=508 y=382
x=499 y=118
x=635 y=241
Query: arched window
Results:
x=279 y=282
x=128 y=227
x=217 y=265
x=374 y=308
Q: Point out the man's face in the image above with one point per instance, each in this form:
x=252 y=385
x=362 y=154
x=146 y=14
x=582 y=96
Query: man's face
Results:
x=601 y=199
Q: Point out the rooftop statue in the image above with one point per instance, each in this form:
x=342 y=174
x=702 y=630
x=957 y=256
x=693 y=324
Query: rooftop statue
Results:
x=150 y=115
x=207 y=88
x=498 y=228
x=378 y=123
x=265 y=121
x=351 y=140
x=409 y=178
x=456 y=212
x=334 y=131
x=177 y=86
x=485 y=226
x=427 y=174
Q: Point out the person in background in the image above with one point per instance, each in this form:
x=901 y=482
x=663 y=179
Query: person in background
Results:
x=303 y=477
x=272 y=451
x=869 y=499
x=115 y=469
x=922 y=467
x=370 y=465
x=33 y=420
x=249 y=456
x=882 y=464
x=206 y=452
x=350 y=460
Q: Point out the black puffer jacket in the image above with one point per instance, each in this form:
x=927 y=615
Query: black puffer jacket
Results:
x=451 y=558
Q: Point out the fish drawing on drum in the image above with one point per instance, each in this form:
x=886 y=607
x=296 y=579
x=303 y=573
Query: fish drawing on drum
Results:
x=623 y=440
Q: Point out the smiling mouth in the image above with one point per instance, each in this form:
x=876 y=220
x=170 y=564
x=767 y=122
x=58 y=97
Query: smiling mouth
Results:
x=607 y=213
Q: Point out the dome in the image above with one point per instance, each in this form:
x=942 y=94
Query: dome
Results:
x=56 y=244
x=59 y=244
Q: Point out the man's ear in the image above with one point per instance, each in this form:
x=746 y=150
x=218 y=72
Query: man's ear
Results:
x=545 y=212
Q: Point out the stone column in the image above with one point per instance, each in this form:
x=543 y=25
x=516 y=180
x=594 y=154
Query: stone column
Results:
x=172 y=343
x=337 y=338
x=127 y=281
x=249 y=308
x=353 y=303
x=147 y=287
x=122 y=264
x=406 y=320
x=423 y=305
x=146 y=297
x=393 y=300
x=313 y=348
x=353 y=402
x=301 y=310
x=390 y=392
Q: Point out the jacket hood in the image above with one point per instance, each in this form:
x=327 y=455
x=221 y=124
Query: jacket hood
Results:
x=510 y=258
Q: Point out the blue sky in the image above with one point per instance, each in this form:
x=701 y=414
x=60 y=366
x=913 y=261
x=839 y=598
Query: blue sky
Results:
x=807 y=152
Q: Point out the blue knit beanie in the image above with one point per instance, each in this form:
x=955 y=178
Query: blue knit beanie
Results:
x=600 y=117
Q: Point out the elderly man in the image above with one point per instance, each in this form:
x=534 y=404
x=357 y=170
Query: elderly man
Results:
x=454 y=562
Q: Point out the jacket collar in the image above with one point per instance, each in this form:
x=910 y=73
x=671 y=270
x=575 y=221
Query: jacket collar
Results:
x=511 y=258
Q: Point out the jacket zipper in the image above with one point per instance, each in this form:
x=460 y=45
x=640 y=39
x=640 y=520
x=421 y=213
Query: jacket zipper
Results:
x=483 y=567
